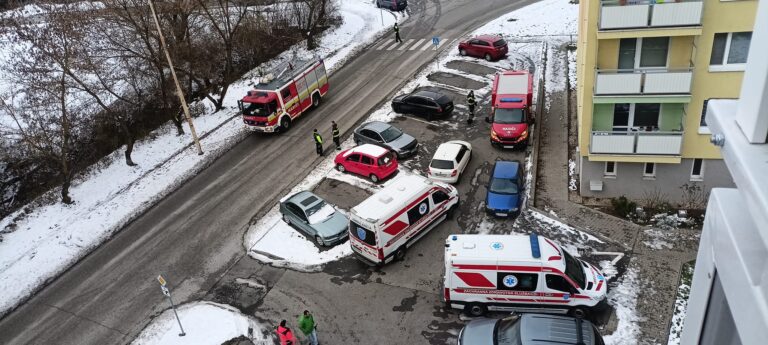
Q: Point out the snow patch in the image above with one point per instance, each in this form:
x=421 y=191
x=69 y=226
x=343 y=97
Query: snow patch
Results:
x=571 y=174
x=555 y=224
x=623 y=298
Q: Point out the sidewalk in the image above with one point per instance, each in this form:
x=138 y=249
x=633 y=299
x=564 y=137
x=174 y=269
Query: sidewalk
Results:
x=658 y=269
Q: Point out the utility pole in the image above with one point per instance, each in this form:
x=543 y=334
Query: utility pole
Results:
x=179 y=92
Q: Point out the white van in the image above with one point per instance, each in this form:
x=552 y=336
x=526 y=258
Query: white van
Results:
x=383 y=226
x=518 y=273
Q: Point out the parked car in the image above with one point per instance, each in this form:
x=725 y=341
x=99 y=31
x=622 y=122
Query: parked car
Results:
x=394 y=5
x=387 y=136
x=314 y=217
x=504 y=189
x=374 y=162
x=449 y=161
x=530 y=329
x=489 y=47
x=424 y=103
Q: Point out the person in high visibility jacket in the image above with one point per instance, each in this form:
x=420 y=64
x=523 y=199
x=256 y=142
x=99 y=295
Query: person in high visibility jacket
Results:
x=285 y=334
x=336 y=135
x=397 y=34
x=318 y=142
x=471 y=104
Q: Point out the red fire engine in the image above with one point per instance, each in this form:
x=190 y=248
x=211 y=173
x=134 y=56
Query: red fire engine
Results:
x=279 y=99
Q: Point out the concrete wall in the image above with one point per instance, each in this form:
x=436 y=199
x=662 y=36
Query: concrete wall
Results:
x=630 y=182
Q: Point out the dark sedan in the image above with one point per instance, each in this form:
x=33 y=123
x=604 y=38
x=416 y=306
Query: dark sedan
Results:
x=424 y=103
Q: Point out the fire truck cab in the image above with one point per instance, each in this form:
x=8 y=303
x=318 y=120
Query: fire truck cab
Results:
x=518 y=273
x=283 y=95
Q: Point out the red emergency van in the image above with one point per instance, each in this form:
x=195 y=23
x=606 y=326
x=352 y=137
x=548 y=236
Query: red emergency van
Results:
x=511 y=99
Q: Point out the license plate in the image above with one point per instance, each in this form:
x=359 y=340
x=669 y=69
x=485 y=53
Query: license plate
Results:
x=509 y=146
x=501 y=214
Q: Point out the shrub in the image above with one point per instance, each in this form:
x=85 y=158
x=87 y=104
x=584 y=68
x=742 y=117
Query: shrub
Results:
x=623 y=207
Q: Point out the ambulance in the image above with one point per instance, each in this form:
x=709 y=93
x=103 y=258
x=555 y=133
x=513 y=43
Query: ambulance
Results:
x=382 y=227
x=518 y=273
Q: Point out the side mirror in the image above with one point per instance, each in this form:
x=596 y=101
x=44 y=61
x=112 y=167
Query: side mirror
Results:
x=487 y=119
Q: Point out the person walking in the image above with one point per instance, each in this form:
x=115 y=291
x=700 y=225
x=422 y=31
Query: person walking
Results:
x=318 y=142
x=336 y=135
x=285 y=334
x=471 y=104
x=308 y=327
x=397 y=34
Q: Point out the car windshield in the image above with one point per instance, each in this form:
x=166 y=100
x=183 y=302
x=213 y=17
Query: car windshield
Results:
x=503 y=186
x=507 y=331
x=319 y=212
x=573 y=269
x=441 y=164
x=509 y=116
x=259 y=109
x=391 y=134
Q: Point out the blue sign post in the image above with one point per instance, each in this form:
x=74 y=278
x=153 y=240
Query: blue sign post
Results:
x=436 y=41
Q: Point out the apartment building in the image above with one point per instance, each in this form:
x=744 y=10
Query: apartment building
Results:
x=646 y=70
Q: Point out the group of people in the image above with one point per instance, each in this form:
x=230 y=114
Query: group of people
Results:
x=307 y=326
x=319 y=138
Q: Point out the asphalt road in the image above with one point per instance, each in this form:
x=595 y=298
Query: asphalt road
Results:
x=194 y=236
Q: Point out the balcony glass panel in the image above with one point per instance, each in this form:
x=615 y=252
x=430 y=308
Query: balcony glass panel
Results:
x=626 y=14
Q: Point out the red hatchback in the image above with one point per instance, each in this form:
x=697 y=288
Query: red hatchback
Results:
x=489 y=47
x=374 y=162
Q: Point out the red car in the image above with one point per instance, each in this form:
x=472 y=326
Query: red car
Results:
x=489 y=47
x=374 y=162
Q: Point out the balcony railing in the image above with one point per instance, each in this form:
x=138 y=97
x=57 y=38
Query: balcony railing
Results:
x=643 y=82
x=631 y=14
x=636 y=143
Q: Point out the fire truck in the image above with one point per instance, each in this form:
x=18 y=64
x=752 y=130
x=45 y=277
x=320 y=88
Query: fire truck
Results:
x=511 y=100
x=283 y=95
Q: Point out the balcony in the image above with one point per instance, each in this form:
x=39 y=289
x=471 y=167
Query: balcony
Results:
x=643 y=82
x=642 y=14
x=636 y=143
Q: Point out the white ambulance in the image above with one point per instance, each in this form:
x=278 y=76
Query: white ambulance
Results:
x=382 y=227
x=518 y=273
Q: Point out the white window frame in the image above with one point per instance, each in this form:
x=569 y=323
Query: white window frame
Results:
x=631 y=118
x=612 y=174
x=725 y=66
x=651 y=175
x=700 y=176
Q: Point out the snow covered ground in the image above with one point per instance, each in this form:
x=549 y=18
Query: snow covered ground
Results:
x=205 y=323
x=46 y=240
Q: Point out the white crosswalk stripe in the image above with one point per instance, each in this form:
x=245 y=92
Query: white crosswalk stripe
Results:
x=416 y=45
x=395 y=45
x=407 y=44
x=385 y=44
x=411 y=44
x=427 y=45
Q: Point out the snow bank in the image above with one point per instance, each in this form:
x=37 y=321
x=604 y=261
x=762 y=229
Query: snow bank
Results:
x=205 y=323
x=623 y=298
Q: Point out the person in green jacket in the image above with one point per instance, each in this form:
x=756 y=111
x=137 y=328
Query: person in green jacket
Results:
x=308 y=327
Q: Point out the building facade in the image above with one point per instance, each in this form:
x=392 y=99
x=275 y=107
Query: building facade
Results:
x=646 y=70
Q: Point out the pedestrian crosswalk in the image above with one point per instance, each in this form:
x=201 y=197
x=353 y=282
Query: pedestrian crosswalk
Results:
x=413 y=44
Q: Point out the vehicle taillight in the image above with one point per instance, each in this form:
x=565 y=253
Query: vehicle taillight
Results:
x=381 y=254
x=439 y=109
x=447 y=294
x=454 y=172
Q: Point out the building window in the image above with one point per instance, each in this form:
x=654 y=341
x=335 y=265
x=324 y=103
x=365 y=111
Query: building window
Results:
x=697 y=170
x=647 y=115
x=644 y=52
x=649 y=170
x=638 y=116
x=610 y=169
x=703 y=121
x=729 y=51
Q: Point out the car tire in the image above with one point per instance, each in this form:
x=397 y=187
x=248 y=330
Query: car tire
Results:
x=316 y=100
x=340 y=168
x=578 y=312
x=286 y=219
x=488 y=57
x=285 y=123
x=374 y=178
x=475 y=309
x=451 y=211
x=463 y=52
x=400 y=253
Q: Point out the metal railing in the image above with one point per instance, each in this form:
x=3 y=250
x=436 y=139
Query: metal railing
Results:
x=648 y=81
x=629 y=14
x=632 y=142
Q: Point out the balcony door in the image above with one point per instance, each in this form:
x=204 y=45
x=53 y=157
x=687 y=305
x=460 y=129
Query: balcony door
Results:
x=643 y=53
x=636 y=117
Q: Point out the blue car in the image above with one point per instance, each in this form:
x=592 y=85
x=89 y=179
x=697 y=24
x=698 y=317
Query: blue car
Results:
x=504 y=189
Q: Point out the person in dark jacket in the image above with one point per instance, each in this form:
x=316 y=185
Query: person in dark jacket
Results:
x=397 y=34
x=471 y=104
x=336 y=135
x=285 y=334
x=318 y=142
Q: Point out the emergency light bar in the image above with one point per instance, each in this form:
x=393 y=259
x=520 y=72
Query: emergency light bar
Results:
x=511 y=100
x=535 y=250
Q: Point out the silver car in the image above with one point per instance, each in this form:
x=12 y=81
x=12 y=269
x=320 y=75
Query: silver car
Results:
x=530 y=329
x=387 y=136
x=314 y=217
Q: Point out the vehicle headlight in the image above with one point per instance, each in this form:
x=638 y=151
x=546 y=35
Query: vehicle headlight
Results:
x=514 y=209
x=524 y=134
x=494 y=135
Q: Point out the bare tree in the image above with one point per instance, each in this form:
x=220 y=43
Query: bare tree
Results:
x=310 y=16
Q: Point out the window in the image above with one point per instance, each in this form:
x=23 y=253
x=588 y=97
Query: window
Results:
x=556 y=282
x=438 y=197
x=729 y=51
x=610 y=169
x=646 y=115
x=460 y=155
x=355 y=157
x=703 y=121
x=621 y=116
x=649 y=170
x=418 y=211
x=370 y=134
x=627 y=49
x=363 y=234
x=645 y=52
x=366 y=160
x=516 y=281
x=296 y=211
x=697 y=170
x=418 y=101
x=286 y=93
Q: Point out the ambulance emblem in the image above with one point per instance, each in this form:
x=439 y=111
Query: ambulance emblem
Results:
x=361 y=233
x=497 y=246
x=423 y=208
x=509 y=281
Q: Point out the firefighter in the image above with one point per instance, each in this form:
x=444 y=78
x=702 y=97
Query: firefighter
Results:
x=471 y=104
x=318 y=142
x=397 y=34
x=336 y=138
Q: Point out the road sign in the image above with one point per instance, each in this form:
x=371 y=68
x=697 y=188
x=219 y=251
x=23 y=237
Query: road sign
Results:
x=165 y=291
x=436 y=41
x=161 y=280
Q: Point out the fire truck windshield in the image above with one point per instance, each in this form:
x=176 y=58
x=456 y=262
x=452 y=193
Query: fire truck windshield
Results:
x=509 y=116
x=259 y=109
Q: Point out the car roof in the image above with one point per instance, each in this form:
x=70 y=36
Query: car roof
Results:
x=447 y=151
x=368 y=149
x=554 y=329
x=428 y=94
x=490 y=38
x=377 y=126
x=506 y=169
x=301 y=198
x=511 y=248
